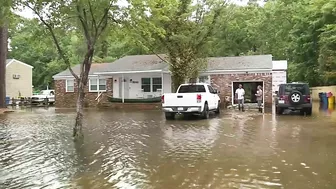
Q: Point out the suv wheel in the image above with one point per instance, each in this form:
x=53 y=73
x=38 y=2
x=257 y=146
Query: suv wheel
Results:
x=295 y=97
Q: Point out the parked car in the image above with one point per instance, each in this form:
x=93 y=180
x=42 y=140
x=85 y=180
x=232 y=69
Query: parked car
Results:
x=39 y=98
x=195 y=98
x=293 y=96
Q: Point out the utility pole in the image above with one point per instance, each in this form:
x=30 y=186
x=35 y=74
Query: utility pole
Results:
x=3 y=57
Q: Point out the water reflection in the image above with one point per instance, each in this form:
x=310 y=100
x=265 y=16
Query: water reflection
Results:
x=142 y=150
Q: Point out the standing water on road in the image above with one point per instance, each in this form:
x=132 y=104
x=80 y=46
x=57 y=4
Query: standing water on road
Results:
x=143 y=150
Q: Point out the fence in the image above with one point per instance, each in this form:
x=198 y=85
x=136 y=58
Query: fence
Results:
x=316 y=90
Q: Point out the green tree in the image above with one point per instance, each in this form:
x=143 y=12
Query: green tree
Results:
x=180 y=28
x=88 y=20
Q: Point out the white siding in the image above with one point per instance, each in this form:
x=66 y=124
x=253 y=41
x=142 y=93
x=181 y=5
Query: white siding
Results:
x=134 y=86
x=23 y=84
x=279 y=74
x=278 y=77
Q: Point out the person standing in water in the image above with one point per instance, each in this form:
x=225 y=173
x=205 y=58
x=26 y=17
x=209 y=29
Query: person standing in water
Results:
x=240 y=92
x=259 y=98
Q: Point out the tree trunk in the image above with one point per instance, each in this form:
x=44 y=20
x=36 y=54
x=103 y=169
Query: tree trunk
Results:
x=81 y=83
x=177 y=81
x=77 y=130
x=3 y=57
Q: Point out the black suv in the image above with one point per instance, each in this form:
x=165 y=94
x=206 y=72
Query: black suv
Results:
x=294 y=96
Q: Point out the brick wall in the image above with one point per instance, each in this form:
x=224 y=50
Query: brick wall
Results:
x=68 y=99
x=224 y=83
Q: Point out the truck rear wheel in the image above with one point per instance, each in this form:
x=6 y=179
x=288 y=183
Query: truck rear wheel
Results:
x=169 y=116
x=205 y=113
x=218 y=108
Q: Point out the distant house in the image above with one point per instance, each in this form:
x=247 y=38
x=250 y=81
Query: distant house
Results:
x=147 y=76
x=19 y=79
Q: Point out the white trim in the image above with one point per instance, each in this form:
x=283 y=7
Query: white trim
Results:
x=123 y=88
x=66 y=86
x=127 y=72
x=17 y=61
x=239 y=71
x=162 y=83
x=245 y=81
x=70 y=77
x=97 y=79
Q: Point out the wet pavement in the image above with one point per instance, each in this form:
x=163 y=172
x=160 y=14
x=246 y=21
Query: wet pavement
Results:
x=142 y=150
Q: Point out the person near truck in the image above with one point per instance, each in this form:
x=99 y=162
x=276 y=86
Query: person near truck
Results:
x=240 y=92
x=259 y=96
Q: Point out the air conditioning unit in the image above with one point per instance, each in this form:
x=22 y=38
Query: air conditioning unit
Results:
x=16 y=76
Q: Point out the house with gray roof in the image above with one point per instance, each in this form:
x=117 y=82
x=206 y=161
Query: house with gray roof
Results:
x=148 y=76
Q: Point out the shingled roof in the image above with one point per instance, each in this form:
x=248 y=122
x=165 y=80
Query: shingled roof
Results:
x=254 y=62
x=138 y=63
x=8 y=61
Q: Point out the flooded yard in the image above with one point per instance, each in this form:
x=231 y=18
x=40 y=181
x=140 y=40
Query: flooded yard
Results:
x=143 y=150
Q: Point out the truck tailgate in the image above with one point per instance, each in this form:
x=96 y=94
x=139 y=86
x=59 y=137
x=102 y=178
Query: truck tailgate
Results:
x=180 y=99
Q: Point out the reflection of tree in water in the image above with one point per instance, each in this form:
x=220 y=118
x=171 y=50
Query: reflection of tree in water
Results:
x=5 y=153
x=82 y=176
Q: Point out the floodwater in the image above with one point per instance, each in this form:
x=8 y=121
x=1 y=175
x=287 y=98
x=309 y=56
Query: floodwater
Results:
x=142 y=150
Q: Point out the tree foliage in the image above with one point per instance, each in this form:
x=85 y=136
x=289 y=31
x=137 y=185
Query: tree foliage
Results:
x=300 y=31
x=180 y=28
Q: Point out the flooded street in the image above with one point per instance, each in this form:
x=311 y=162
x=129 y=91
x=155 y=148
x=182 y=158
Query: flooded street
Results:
x=143 y=150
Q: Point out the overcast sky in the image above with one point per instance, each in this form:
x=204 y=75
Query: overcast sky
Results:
x=29 y=14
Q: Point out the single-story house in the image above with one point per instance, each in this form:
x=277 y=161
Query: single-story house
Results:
x=19 y=79
x=148 y=76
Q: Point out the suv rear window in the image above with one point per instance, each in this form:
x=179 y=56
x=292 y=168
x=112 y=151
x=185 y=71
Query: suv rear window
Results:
x=302 y=88
x=192 y=89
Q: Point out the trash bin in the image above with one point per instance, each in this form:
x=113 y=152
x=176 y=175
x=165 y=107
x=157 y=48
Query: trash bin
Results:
x=7 y=100
x=324 y=98
x=331 y=100
x=320 y=96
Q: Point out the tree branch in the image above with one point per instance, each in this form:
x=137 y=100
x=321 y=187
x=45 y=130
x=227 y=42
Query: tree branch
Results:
x=94 y=24
x=83 y=22
x=59 y=49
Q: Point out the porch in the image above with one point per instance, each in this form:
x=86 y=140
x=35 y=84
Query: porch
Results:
x=138 y=86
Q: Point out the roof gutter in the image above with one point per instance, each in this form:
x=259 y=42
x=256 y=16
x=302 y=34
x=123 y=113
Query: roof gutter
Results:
x=127 y=72
x=68 y=76
x=240 y=70
x=14 y=60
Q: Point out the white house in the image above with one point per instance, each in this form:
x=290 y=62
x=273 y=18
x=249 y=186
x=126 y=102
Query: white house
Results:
x=148 y=76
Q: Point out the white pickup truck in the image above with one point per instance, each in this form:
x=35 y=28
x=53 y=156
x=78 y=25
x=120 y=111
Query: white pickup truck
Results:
x=39 y=98
x=195 y=98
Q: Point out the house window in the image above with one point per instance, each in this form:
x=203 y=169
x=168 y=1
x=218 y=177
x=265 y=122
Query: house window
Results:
x=151 y=84
x=102 y=84
x=203 y=79
x=146 y=84
x=69 y=85
x=157 y=84
x=96 y=84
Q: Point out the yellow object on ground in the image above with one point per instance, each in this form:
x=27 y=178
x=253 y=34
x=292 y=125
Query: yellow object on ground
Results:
x=331 y=107
x=331 y=100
